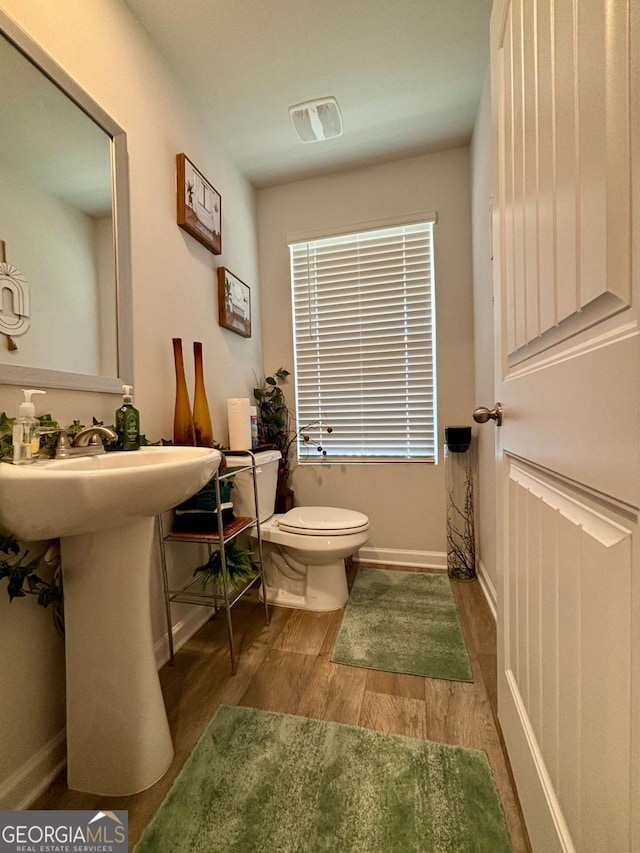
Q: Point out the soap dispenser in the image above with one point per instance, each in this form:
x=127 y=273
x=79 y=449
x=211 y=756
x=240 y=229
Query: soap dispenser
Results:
x=128 y=422
x=26 y=431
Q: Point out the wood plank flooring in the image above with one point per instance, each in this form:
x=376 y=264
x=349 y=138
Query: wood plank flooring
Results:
x=286 y=667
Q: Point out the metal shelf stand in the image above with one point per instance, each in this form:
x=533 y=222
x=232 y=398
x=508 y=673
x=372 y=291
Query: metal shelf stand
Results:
x=221 y=595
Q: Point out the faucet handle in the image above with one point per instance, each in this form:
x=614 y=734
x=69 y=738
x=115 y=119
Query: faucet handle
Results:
x=62 y=445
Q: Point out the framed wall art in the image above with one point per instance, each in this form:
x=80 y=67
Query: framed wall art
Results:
x=199 y=205
x=234 y=303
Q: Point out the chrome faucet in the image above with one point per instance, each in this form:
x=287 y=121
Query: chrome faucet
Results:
x=86 y=442
x=91 y=436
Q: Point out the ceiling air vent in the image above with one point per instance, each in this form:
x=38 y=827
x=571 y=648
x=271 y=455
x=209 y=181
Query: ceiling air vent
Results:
x=316 y=120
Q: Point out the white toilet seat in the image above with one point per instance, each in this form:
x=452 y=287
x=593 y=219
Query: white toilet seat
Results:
x=323 y=521
x=303 y=551
x=314 y=549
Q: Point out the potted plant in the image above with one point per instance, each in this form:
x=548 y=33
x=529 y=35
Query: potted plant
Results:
x=277 y=427
x=237 y=561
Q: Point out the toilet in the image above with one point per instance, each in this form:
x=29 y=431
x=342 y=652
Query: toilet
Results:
x=303 y=550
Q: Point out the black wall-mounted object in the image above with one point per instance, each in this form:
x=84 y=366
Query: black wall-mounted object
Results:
x=457 y=438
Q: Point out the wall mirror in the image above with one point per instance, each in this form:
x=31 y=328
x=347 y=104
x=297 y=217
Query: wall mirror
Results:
x=64 y=220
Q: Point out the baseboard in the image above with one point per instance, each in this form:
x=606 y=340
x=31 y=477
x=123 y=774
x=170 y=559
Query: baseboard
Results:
x=489 y=590
x=24 y=786
x=183 y=630
x=543 y=816
x=396 y=557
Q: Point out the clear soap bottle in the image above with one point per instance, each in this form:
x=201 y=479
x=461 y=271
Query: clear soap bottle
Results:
x=26 y=431
x=128 y=422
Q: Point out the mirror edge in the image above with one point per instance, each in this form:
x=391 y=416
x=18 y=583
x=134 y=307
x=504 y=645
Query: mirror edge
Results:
x=122 y=241
x=41 y=377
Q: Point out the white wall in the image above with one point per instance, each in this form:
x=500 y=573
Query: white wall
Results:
x=101 y=45
x=405 y=501
x=484 y=334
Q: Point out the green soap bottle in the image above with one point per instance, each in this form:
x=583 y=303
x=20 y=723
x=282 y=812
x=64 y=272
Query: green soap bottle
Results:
x=128 y=422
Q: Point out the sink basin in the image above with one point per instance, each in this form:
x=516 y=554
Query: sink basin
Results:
x=67 y=497
x=103 y=509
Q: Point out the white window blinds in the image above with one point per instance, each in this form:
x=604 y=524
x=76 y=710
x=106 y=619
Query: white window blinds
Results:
x=364 y=344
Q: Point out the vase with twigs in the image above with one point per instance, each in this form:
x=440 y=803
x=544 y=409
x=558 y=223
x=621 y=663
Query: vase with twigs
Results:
x=461 y=537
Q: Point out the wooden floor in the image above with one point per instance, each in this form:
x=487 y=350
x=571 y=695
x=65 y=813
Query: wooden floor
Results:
x=286 y=667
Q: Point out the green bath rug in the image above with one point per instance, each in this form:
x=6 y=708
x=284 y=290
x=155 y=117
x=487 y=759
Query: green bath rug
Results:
x=403 y=622
x=260 y=782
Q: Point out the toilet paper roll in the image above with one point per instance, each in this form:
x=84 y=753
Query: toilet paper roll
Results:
x=239 y=419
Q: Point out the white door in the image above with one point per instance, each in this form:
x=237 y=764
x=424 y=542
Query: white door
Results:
x=565 y=84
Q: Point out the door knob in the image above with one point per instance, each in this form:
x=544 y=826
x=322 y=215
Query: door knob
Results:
x=482 y=414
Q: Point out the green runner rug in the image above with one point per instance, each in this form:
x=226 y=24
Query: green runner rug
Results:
x=260 y=782
x=403 y=622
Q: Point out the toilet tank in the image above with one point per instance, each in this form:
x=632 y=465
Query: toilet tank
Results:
x=266 y=482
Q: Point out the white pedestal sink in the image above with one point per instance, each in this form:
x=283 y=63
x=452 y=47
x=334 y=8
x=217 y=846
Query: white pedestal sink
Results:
x=103 y=508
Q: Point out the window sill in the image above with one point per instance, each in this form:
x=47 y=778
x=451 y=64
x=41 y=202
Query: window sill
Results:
x=350 y=460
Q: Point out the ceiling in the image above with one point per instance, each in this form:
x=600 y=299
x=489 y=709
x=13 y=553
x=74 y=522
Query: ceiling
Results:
x=407 y=75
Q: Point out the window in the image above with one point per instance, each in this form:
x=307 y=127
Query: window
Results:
x=364 y=344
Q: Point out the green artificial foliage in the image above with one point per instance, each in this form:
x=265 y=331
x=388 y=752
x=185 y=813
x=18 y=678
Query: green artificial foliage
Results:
x=274 y=418
x=22 y=575
x=6 y=441
x=47 y=442
x=6 y=433
x=238 y=562
x=277 y=425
